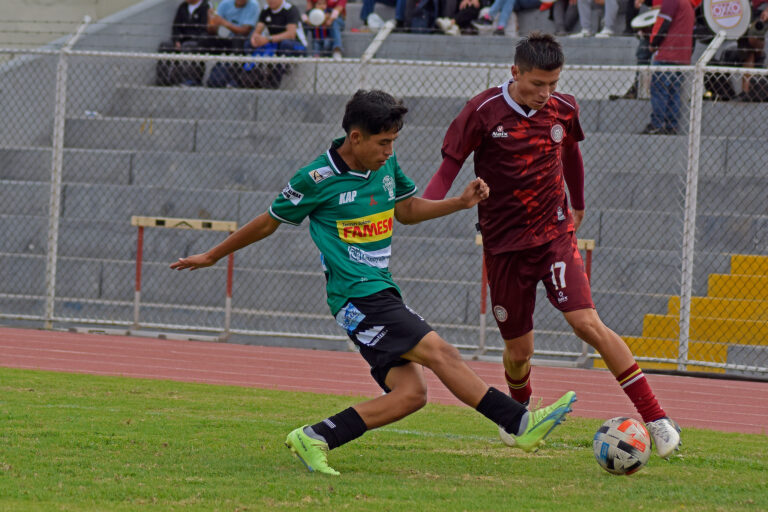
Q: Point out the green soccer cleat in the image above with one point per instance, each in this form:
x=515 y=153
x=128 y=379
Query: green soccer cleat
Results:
x=542 y=421
x=312 y=452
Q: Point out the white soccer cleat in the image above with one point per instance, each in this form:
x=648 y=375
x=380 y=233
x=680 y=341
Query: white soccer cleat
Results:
x=507 y=438
x=666 y=436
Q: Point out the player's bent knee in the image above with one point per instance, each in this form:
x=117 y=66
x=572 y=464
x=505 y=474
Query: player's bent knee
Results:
x=519 y=359
x=589 y=331
x=411 y=399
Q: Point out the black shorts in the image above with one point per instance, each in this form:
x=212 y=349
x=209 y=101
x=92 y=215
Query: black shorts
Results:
x=384 y=328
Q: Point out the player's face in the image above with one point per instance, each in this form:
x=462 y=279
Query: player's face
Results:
x=373 y=151
x=533 y=88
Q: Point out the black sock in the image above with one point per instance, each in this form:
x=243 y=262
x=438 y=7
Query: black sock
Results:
x=341 y=428
x=502 y=410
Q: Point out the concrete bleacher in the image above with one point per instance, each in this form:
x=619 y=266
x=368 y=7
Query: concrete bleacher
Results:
x=225 y=154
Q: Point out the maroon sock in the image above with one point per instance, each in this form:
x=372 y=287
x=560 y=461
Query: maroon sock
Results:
x=636 y=386
x=520 y=390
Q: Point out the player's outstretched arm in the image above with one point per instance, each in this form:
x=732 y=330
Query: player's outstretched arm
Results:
x=258 y=229
x=417 y=209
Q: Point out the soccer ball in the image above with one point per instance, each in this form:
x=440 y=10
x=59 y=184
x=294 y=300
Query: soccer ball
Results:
x=622 y=446
x=316 y=17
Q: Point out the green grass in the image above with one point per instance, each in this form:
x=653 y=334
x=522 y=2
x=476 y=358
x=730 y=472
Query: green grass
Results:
x=80 y=442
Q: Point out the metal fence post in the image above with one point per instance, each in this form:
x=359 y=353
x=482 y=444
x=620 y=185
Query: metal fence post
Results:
x=691 y=191
x=57 y=162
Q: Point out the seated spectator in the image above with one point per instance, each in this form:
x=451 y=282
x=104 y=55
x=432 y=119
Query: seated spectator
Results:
x=399 y=6
x=585 y=18
x=564 y=14
x=284 y=37
x=326 y=39
x=747 y=52
x=231 y=23
x=642 y=55
x=460 y=22
x=424 y=16
x=505 y=8
x=760 y=10
x=189 y=33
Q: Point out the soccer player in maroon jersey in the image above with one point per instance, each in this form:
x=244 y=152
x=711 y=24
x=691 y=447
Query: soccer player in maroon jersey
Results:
x=525 y=138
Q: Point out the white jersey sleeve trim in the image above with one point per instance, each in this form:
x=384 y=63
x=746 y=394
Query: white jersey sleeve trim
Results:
x=407 y=194
x=281 y=219
x=562 y=100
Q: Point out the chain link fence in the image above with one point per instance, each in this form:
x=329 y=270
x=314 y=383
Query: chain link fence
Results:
x=679 y=218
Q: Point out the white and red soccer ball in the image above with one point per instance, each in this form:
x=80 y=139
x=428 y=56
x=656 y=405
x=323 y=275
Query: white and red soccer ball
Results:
x=622 y=445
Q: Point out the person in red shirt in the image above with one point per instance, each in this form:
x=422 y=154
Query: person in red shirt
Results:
x=525 y=138
x=672 y=45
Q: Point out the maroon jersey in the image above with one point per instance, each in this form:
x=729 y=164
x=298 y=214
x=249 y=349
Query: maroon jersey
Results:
x=519 y=157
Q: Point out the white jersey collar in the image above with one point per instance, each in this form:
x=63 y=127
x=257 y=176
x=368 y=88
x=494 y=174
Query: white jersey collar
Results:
x=512 y=103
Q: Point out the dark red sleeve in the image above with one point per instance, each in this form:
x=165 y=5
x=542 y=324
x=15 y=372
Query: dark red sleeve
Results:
x=463 y=136
x=575 y=132
x=441 y=182
x=573 y=171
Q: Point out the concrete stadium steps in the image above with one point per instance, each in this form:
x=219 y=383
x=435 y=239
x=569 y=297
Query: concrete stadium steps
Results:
x=87 y=166
x=712 y=307
x=749 y=264
x=738 y=286
x=183 y=103
x=726 y=330
x=729 y=324
x=200 y=103
x=668 y=348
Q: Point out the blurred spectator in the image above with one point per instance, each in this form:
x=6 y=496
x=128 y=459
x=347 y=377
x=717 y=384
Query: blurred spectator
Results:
x=642 y=55
x=671 y=44
x=632 y=10
x=585 y=17
x=564 y=14
x=284 y=37
x=189 y=34
x=326 y=38
x=505 y=8
x=747 y=52
x=231 y=23
x=460 y=22
x=399 y=6
x=760 y=10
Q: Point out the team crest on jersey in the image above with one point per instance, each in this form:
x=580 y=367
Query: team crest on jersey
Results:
x=500 y=313
x=320 y=174
x=389 y=185
x=499 y=133
x=557 y=132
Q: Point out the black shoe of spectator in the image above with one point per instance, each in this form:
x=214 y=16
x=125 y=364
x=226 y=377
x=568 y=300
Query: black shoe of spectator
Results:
x=469 y=31
x=483 y=20
x=653 y=130
x=631 y=94
x=499 y=32
x=400 y=27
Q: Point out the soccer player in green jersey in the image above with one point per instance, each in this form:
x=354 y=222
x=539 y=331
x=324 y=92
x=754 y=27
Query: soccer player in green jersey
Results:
x=352 y=194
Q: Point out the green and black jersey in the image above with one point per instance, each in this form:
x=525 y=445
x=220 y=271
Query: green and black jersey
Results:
x=351 y=216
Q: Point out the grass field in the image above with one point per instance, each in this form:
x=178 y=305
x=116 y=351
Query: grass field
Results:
x=79 y=442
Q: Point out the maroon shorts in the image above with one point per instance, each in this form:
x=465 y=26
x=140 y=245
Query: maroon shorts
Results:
x=513 y=277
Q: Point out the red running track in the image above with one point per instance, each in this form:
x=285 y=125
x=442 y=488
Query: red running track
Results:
x=717 y=404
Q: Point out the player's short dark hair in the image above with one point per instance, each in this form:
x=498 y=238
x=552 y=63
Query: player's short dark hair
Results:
x=539 y=51
x=373 y=112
